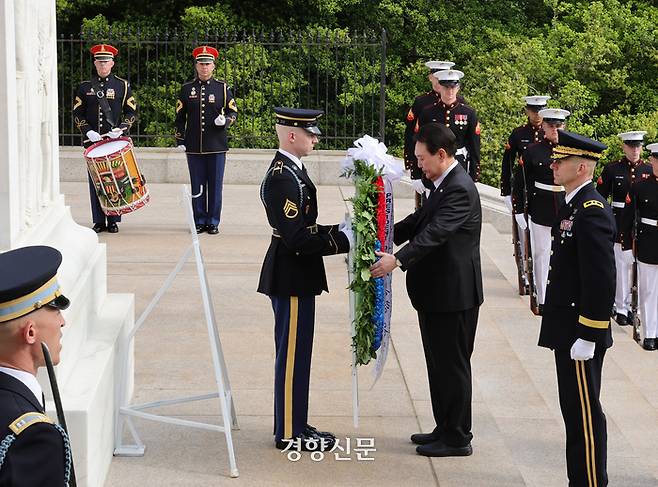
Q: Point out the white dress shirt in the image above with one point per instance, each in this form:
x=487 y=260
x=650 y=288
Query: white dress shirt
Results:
x=570 y=195
x=294 y=159
x=28 y=379
x=440 y=179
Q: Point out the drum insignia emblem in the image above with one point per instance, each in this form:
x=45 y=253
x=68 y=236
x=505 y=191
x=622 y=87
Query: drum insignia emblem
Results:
x=211 y=98
x=110 y=94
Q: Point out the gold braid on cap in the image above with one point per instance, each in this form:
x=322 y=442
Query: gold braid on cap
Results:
x=562 y=151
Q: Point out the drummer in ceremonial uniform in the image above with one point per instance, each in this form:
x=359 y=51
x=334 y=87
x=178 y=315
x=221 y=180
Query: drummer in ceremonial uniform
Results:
x=644 y=208
x=579 y=296
x=459 y=117
x=205 y=109
x=411 y=122
x=103 y=106
x=533 y=179
x=615 y=184
x=293 y=273
x=33 y=450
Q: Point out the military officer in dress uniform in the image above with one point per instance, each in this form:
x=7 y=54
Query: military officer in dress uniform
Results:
x=204 y=111
x=293 y=273
x=103 y=106
x=34 y=451
x=579 y=295
x=533 y=179
x=459 y=117
x=615 y=183
x=518 y=141
x=411 y=124
x=644 y=208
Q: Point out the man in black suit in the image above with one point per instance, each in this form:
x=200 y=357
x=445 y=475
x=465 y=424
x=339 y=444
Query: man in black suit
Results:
x=444 y=283
x=579 y=295
x=34 y=451
x=293 y=274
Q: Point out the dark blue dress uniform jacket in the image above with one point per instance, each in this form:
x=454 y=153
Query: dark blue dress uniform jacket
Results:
x=644 y=204
x=87 y=113
x=199 y=103
x=36 y=458
x=615 y=183
x=517 y=143
x=581 y=277
x=535 y=166
x=463 y=121
x=411 y=127
x=293 y=264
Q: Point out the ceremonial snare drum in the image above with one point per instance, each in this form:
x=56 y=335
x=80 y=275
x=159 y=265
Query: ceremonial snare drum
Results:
x=119 y=184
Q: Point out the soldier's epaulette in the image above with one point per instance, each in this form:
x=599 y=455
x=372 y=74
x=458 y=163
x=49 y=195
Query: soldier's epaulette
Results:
x=189 y=82
x=120 y=78
x=23 y=422
x=278 y=167
x=220 y=80
x=589 y=203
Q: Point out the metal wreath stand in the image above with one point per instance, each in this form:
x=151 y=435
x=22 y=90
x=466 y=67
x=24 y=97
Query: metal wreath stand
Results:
x=125 y=412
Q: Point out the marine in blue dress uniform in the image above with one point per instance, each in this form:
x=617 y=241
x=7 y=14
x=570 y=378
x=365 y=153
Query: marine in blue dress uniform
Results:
x=92 y=118
x=579 y=296
x=34 y=451
x=205 y=109
x=533 y=179
x=615 y=184
x=462 y=119
x=293 y=273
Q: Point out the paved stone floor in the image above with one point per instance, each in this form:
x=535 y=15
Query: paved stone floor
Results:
x=519 y=437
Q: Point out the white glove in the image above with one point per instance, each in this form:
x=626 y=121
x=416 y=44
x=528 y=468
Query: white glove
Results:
x=180 y=148
x=220 y=121
x=508 y=203
x=418 y=186
x=520 y=221
x=93 y=135
x=115 y=133
x=627 y=257
x=582 y=349
x=346 y=228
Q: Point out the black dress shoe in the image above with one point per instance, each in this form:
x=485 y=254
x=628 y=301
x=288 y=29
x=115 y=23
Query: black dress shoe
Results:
x=649 y=344
x=440 y=449
x=306 y=442
x=201 y=228
x=312 y=430
x=113 y=228
x=98 y=228
x=212 y=229
x=425 y=438
x=622 y=320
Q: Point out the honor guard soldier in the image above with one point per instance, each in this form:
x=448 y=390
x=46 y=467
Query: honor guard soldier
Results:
x=533 y=179
x=518 y=141
x=293 y=274
x=204 y=111
x=103 y=106
x=644 y=208
x=615 y=184
x=33 y=449
x=459 y=117
x=411 y=124
x=576 y=317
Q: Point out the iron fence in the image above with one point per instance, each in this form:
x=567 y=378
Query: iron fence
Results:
x=343 y=74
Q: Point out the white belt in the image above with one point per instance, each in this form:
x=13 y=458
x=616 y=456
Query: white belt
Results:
x=549 y=187
x=618 y=204
x=649 y=221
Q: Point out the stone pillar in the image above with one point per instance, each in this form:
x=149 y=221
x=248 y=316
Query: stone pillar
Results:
x=32 y=212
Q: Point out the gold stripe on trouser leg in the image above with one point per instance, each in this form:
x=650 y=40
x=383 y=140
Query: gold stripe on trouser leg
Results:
x=584 y=414
x=290 y=367
x=589 y=422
